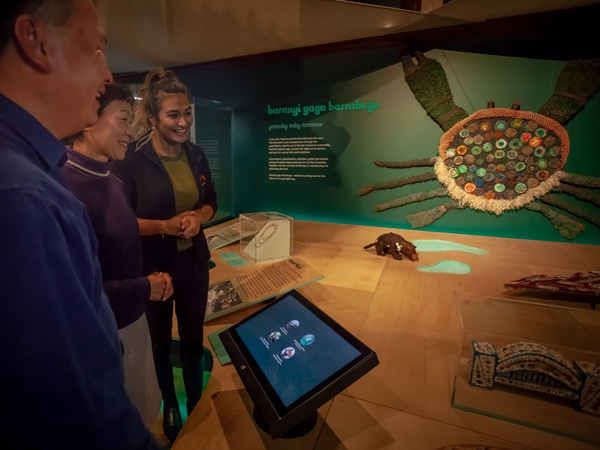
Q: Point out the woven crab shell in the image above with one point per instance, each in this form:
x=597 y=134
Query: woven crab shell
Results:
x=499 y=158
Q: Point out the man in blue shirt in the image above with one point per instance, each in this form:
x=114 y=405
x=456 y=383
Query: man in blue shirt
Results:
x=61 y=379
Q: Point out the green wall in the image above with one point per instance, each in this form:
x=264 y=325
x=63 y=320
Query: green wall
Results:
x=350 y=140
x=212 y=129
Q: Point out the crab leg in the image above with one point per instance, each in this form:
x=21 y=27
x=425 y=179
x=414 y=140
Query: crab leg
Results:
x=578 y=81
x=582 y=180
x=566 y=227
x=579 y=193
x=427 y=176
x=424 y=218
x=427 y=80
x=428 y=162
x=555 y=200
x=412 y=198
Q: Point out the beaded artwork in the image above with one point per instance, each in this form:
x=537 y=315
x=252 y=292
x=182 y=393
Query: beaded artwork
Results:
x=535 y=368
x=581 y=283
x=500 y=159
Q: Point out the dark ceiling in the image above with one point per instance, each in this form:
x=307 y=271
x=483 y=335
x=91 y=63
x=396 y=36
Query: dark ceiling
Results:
x=553 y=35
x=556 y=35
x=174 y=33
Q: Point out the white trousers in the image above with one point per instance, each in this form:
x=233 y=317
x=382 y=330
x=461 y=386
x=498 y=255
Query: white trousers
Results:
x=140 y=375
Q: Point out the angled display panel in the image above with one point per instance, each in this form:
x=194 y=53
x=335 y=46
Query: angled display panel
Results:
x=292 y=359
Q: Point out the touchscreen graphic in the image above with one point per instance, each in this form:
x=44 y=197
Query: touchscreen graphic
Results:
x=295 y=349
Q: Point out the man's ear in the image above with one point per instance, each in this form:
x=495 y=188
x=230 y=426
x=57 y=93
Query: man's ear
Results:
x=30 y=41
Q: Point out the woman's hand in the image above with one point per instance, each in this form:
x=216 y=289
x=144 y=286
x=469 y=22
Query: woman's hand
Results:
x=172 y=226
x=161 y=286
x=189 y=225
x=185 y=225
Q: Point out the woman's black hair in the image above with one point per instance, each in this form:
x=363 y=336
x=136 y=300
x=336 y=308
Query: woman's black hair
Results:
x=114 y=92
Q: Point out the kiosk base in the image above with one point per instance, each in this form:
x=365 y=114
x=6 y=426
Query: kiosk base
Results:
x=300 y=429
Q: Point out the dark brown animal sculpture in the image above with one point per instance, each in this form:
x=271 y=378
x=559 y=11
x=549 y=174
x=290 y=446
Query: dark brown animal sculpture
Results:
x=395 y=245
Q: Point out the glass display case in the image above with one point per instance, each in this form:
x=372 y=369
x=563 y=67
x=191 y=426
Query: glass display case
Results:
x=530 y=363
x=266 y=236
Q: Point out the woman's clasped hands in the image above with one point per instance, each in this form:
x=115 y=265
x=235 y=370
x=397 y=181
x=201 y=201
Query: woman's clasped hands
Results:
x=161 y=286
x=190 y=225
x=185 y=225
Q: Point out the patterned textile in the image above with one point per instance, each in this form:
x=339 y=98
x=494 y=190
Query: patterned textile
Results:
x=580 y=282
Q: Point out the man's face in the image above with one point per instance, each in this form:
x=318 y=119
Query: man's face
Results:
x=79 y=67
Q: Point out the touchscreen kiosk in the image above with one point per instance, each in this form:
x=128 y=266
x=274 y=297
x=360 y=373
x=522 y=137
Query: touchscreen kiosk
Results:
x=292 y=359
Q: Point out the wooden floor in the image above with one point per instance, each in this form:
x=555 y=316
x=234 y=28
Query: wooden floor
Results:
x=411 y=319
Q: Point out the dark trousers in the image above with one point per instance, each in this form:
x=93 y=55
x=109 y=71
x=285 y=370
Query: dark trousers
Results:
x=190 y=289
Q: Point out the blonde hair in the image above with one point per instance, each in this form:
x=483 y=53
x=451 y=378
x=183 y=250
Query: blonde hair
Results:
x=158 y=82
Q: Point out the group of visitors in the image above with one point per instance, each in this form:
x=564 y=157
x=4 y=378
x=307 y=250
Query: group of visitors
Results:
x=100 y=240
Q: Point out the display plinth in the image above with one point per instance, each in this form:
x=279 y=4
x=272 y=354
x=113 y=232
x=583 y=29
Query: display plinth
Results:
x=531 y=364
x=266 y=236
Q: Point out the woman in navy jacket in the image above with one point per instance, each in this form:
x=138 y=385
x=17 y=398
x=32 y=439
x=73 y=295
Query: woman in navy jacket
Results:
x=169 y=185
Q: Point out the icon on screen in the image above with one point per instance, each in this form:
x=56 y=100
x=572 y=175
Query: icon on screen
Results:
x=307 y=339
x=275 y=335
x=288 y=352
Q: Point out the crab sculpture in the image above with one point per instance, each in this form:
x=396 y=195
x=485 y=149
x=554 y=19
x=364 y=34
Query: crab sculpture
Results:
x=500 y=159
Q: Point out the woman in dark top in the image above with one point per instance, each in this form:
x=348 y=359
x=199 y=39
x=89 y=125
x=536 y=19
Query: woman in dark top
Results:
x=169 y=185
x=87 y=172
